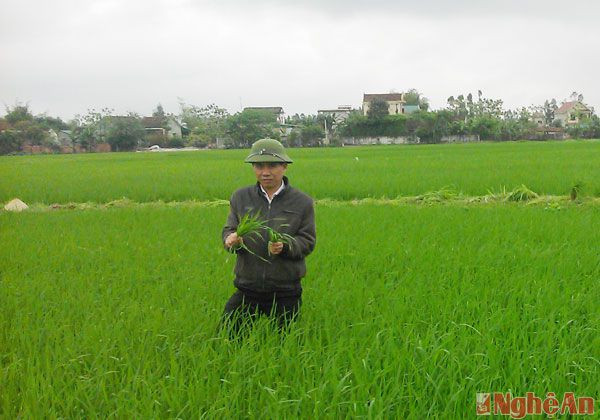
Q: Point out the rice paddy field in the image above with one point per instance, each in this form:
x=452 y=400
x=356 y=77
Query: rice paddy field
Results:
x=338 y=173
x=414 y=300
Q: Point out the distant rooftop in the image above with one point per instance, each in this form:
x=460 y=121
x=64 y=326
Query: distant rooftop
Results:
x=340 y=108
x=370 y=97
x=274 y=109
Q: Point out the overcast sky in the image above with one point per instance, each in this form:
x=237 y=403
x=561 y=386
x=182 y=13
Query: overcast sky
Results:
x=65 y=56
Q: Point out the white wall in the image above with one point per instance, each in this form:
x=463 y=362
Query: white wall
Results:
x=381 y=140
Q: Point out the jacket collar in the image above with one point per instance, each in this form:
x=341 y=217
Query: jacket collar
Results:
x=286 y=186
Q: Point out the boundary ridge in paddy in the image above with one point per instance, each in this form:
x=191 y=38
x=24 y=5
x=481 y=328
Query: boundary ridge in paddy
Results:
x=428 y=199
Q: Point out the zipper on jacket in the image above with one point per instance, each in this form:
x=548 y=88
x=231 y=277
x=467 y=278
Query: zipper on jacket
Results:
x=267 y=239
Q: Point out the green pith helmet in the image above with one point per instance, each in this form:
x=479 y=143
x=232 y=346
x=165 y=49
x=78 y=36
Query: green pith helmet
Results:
x=268 y=150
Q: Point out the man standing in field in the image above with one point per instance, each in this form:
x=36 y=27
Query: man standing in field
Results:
x=268 y=274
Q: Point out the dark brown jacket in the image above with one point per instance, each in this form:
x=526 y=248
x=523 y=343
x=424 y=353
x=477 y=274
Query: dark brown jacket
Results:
x=291 y=212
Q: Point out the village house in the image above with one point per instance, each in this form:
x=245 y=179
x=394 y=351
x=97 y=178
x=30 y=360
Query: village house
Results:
x=275 y=110
x=158 y=126
x=338 y=115
x=538 y=118
x=572 y=112
x=396 y=103
x=61 y=137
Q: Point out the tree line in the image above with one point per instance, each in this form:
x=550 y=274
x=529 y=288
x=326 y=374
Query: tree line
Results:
x=468 y=115
x=213 y=126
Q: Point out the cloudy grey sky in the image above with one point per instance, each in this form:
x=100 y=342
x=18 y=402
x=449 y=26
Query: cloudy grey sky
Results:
x=65 y=56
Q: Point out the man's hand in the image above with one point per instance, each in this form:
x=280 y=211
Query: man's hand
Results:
x=275 y=247
x=233 y=239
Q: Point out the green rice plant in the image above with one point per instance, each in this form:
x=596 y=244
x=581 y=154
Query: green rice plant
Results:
x=551 y=166
x=93 y=324
x=249 y=226
x=275 y=236
x=521 y=193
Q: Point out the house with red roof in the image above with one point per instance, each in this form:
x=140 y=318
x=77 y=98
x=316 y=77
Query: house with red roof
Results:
x=572 y=112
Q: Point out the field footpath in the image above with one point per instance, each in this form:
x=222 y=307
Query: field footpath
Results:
x=551 y=202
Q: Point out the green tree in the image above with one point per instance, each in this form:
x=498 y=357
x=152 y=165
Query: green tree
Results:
x=486 y=126
x=549 y=110
x=301 y=119
x=18 y=113
x=160 y=114
x=22 y=127
x=10 y=142
x=378 y=109
x=90 y=129
x=354 y=126
x=457 y=127
x=293 y=139
x=422 y=125
x=50 y=123
x=442 y=124
x=329 y=125
x=245 y=127
x=458 y=107
x=124 y=133
x=357 y=126
x=466 y=108
x=206 y=124
x=312 y=135
x=414 y=97
x=517 y=125
x=31 y=133
x=393 y=126
x=588 y=128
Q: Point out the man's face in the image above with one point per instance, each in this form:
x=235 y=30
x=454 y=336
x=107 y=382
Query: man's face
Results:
x=269 y=174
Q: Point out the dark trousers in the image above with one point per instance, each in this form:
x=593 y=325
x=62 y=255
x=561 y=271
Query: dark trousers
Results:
x=243 y=308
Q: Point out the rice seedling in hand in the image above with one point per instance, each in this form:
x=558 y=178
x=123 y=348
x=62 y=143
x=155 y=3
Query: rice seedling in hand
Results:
x=249 y=226
x=275 y=236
